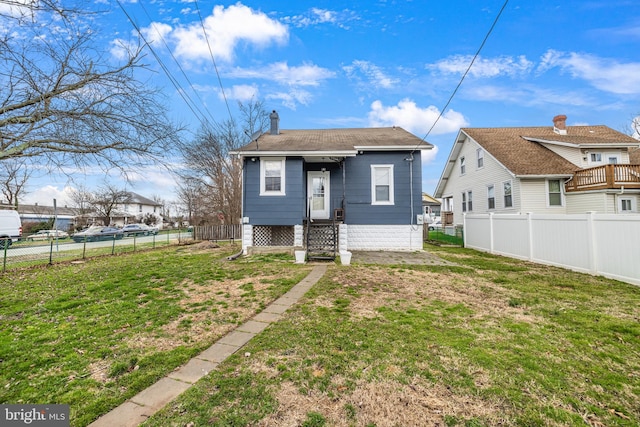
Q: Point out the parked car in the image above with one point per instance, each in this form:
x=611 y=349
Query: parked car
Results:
x=96 y=233
x=10 y=227
x=435 y=226
x=48 y=235
x=138 y=230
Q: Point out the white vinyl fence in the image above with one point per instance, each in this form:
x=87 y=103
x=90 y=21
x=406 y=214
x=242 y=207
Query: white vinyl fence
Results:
x=603 y=244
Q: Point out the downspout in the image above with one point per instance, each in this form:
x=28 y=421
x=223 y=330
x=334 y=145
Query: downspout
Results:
x=410 y=160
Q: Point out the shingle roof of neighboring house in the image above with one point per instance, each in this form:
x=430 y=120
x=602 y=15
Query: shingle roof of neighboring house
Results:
x=141 y=200
x=516 y=150
x=45 y=210
x=336 y=140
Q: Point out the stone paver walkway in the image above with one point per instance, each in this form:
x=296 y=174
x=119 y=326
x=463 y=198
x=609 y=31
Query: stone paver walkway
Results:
x=149 y=401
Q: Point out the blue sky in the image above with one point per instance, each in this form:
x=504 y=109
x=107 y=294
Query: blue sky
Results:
x=327 y=64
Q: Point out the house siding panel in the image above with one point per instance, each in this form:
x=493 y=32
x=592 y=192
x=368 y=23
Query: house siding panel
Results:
x=477 y=179
x=534 y=197
x=579 y=203
x=570 y=153
x=275 y=210
x=358 y=208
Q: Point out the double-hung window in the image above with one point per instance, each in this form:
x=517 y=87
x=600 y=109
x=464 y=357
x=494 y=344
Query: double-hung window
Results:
x=491 y=197
x=464 y=202
x=463 y=166
x=480 y=158
x=554 y=188
x=382 y=184
x=508 y=198
x=272 y=176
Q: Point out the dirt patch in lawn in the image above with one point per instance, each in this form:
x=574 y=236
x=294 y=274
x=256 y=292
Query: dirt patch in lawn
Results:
x=382 y=403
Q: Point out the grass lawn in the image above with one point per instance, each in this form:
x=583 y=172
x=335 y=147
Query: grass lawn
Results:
x=491 y=341
x=92 y=334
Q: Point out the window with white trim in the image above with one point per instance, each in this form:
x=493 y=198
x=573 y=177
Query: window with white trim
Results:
x=596 y=157
x=554 y=192
x=626 y=204
x=491 y=197
x=463 y=166
x=470 y=200
x=464 y=202
x=272 y=176
x=382 y=184
x=480 y=157
x=508 y=198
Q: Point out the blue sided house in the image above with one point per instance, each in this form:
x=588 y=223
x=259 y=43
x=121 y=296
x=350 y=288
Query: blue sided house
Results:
x=332 y=190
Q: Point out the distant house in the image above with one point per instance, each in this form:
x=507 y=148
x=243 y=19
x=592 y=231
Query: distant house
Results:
x=329 y=189
x=550 y=169
x=62 y=216
x=134 y=210
x=431 y=208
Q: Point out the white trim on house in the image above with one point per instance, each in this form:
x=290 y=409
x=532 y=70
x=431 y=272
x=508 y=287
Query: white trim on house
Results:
x=375 y=182
x=263 y=176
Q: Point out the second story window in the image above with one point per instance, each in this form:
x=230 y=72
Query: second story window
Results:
x=463 y=166
x=480 y=157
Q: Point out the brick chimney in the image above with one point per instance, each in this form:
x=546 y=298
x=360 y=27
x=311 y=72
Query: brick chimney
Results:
x=275 y=123
x=560 y=124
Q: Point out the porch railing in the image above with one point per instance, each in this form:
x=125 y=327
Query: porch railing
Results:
x=612 y=176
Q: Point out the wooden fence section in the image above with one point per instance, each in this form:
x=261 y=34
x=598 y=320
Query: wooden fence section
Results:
x=217 y=232
x=602 y=244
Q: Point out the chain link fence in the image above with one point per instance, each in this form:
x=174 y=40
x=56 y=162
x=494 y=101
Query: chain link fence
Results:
x=25 y=253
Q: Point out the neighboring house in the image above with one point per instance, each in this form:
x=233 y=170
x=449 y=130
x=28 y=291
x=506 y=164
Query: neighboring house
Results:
x=330 y=189
x=133 y=211
x=139 y=206
x=552 y=169
x=63 y=216
x=430 y=208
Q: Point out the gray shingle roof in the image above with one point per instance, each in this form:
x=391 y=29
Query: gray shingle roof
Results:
x=335 y=140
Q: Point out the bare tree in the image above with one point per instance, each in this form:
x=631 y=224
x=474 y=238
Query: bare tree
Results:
x=106 y=201
x=13 y=179
x=62 y=103
x=209 y=163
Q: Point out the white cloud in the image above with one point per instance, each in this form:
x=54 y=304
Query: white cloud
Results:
x=156 y=32
x=225 y=29
x=483 y=67
x=414 y=119
x=529 y=95
x=122 y=49
x=242 y=93
x=292 y=98
x=374 y=74
x=605 y=74
x=281 y=72
x=317 y=16
x=44 y=196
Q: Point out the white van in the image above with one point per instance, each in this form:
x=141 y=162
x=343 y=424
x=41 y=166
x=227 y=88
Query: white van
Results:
x=10 y=227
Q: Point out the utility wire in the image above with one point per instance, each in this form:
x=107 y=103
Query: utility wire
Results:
x=164 y=42
x=198 y=114
x=486 y=37
x=213 y=60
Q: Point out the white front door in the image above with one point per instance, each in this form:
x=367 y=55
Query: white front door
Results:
x=318 y=194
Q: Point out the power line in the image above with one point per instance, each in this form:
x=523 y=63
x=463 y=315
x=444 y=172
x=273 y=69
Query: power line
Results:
x=178 y=64
x=198 y=114
x=204 y=31
x=484 y=41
